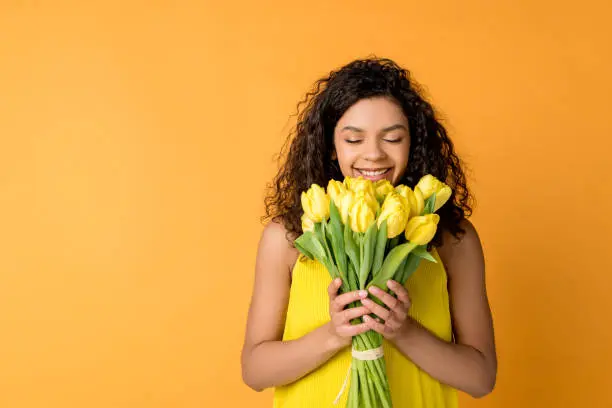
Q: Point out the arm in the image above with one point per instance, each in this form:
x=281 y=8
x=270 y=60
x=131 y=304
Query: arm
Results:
x=469 y=364
x=267 y=361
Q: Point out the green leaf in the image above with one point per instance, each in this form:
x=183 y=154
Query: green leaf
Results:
x=357 y=237
x=318 y=230
x=334 y=214
x=324 y=238
x=309 y=244
x=391 y=264
x=379 y=251
x=430 y=204
x=397 y=276
x=393 y=242
x=336 y=235
x=302 y=249
x=352 y=278
x=323 y=254
x=411 y=266
x=367 y=254
x=352 y=250
x=422 y=253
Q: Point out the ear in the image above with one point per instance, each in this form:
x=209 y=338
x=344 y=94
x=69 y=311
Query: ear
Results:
x=334 y=155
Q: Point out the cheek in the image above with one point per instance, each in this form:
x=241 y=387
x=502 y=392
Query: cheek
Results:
x=346 y=159
x=400 y=157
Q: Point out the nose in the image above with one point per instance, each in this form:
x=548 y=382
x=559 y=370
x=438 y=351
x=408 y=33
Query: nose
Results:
x=373 y=151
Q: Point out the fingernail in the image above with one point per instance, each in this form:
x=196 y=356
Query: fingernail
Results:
x=363 y=293
x=366 y=318
x=373 y=289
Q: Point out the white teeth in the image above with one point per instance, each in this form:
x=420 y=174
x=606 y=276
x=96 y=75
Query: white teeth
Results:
x=373 y=173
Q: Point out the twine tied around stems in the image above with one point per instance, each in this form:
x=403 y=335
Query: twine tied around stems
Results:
x=365 y=355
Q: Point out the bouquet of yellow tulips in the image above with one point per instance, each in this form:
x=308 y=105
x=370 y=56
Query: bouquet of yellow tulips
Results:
x=366 y=233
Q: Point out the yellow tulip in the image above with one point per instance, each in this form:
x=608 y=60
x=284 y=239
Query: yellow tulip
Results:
x=346 y=203
x=419 y=202
x=371 y=200
x=362 y=215
x=420 y=230
x=315 y=203
x=307 y=223
x=381 y=189
x=335 y=189
x=395 y=210
x=363 y=186
x=415 y=198
x=359 y=184
x=404 y=191
x=442 y=197
x=428 y=185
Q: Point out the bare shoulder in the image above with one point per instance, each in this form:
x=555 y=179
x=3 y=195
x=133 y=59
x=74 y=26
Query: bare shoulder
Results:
x=275 y=258
x=463 y=253
x=275 y=244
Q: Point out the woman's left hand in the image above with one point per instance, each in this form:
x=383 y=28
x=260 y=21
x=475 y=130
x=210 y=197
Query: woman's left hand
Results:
x=395 y=316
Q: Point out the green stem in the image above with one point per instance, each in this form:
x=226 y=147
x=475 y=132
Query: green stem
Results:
x=369 y=342
x=353 y=396
x=383 y=392
x=367 y=398
x=370 y=380
x=377 y=368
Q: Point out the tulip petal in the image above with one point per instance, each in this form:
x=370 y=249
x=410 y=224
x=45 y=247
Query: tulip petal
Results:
x=419 y=203
x=427 y=185
x=442 y=197
x=307 y=223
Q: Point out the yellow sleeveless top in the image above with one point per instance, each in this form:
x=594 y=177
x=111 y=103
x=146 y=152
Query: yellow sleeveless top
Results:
x=410 y=386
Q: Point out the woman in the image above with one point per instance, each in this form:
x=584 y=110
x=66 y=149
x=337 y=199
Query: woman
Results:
x=369 y=119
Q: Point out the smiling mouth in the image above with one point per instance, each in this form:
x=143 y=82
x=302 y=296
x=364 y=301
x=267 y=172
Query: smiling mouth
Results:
x=373 y=172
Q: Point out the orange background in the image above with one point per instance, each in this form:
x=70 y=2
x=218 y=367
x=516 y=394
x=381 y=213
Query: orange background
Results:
x=126 y=256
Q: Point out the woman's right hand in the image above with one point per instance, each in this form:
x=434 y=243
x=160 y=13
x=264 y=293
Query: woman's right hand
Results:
x=340 y=325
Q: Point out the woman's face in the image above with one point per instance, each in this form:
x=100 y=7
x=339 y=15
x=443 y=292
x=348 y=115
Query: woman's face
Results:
x=372 y=140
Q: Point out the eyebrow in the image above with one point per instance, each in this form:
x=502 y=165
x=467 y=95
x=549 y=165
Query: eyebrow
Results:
x=385 y=130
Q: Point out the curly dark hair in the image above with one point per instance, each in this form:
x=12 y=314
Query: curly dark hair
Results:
x=306 y=156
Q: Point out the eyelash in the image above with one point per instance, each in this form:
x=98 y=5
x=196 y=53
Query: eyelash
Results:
x=386 y=140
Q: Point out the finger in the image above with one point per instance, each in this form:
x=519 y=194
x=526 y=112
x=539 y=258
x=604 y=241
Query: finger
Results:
x=386 y=298
x=377 y=309
x=352 y=313
x=376 y=326
x=344 y=299
x=400 y=291
x=332 y=289
x=353 y=329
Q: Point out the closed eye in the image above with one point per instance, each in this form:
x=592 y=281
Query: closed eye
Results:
x=393 y=140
